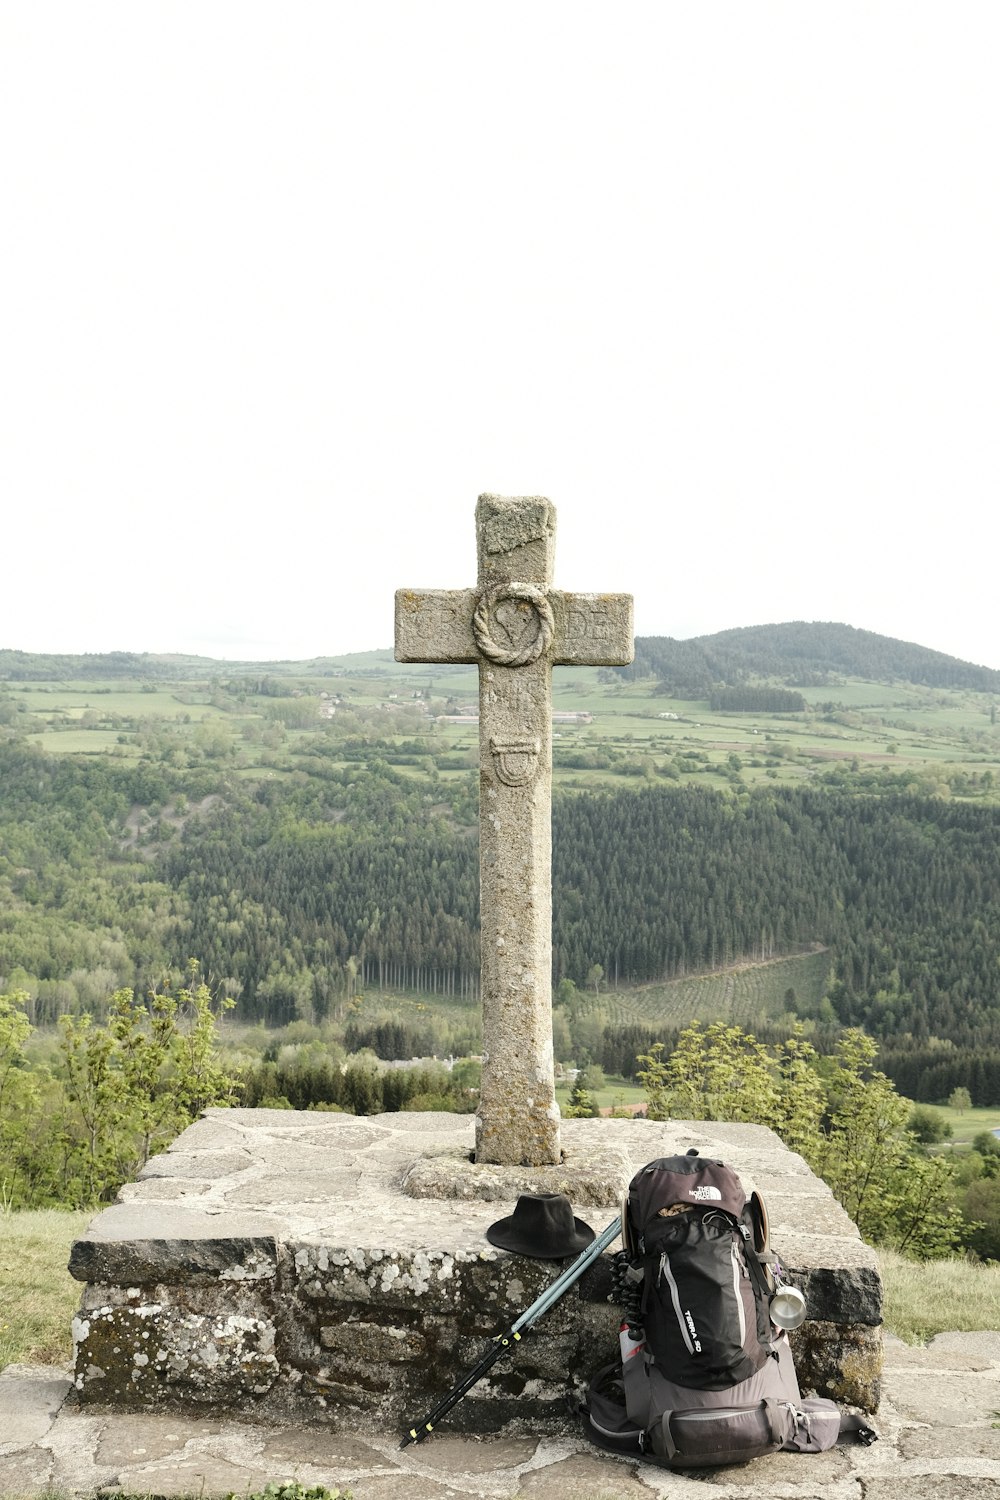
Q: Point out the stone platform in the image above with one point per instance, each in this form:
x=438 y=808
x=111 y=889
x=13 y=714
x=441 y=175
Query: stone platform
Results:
x=274 y=1264
x=938 y=1440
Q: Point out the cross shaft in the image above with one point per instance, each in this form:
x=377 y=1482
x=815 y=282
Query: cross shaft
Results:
x=515 y=626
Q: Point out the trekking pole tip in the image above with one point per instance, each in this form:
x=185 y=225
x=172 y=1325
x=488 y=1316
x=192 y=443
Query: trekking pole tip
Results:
x=415 y=1434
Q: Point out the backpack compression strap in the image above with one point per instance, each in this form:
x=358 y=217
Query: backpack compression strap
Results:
x=635 y=1377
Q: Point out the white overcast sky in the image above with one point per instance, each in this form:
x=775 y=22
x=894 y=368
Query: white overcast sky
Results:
x=284 y=286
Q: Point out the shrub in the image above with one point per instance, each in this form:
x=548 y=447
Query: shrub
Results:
x=928 y=1125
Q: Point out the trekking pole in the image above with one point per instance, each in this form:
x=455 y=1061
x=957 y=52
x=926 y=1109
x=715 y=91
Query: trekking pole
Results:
x=504 y=1341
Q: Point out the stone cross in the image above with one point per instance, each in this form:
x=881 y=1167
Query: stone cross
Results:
x=516 y=627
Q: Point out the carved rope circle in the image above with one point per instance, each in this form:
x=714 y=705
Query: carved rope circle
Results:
x=526 y=651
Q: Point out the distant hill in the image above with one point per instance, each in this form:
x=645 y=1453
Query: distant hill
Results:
x=40 y=666
x=800 y=653
x=797 y=654
x=107 y=666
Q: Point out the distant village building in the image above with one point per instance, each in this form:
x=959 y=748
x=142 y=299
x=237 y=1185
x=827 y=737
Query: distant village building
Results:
x=583 y=717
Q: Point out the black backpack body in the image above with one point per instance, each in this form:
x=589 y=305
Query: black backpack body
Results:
x=705 y=1293
x=704 y=1377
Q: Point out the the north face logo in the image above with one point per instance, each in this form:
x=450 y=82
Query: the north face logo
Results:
x=706 y=1194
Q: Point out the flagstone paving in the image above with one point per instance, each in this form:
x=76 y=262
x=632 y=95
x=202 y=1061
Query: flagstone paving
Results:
x=939 y=1440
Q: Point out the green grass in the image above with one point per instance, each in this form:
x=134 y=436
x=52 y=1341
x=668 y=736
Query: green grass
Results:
x=82 y=742
x=969 y=1122
x=38 y=1297
x=743 y=995
x=613 y=1093
x=938 y=1296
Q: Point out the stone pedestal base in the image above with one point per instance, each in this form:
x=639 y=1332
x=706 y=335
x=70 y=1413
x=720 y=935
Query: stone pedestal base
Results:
x=275 y=1262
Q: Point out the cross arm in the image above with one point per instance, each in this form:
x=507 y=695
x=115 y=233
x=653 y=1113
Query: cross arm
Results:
x=435 y=625
x=594 y=630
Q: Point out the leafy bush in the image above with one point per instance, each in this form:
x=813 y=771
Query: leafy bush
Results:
x=928 y=1125
x=849 y=1124
x=117 y=1092
x=982 y=1209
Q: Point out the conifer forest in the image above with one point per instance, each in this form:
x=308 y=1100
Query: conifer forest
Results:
x=309 y=835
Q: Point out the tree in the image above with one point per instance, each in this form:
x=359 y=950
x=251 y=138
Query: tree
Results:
x=567 y=995
x=562 y=1044
x=987 y=1147
x=467 y=1074
x=15 y=1028
x=594 y=976
x=363 y=1087
x=960 y=1099
x=895 y=1196
x=801 y=1095
x=719 y=1074
x=851 y=1127
x=581 y=1105
x=927 y=1125
x=19 y=1099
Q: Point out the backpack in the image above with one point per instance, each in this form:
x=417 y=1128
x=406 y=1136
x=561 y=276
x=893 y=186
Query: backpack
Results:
x=703 y=1375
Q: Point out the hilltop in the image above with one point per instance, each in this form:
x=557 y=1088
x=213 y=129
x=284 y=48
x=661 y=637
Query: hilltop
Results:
x=799 y=653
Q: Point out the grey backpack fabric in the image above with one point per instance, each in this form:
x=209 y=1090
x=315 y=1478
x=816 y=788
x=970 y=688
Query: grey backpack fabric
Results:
x=704 y=1378
x=681 y=1428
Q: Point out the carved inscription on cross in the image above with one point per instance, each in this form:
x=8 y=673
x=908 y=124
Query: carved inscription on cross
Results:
x=516 y=627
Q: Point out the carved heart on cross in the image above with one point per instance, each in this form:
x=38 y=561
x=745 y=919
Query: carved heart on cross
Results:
x=517 y=620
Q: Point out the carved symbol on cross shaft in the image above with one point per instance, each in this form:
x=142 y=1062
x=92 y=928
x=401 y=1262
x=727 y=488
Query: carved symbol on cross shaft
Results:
x=523 y=614
x=515 y=761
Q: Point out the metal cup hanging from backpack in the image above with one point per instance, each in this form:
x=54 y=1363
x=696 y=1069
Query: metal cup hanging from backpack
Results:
x=788 y=1304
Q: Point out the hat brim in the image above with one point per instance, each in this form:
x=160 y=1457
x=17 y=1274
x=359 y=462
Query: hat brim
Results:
x=761 y=1226
x=508 y=1234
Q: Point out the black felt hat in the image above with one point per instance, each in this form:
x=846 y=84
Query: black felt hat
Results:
x=542 y=1226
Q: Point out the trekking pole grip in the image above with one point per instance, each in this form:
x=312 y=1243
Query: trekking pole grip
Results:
x=503 y=1341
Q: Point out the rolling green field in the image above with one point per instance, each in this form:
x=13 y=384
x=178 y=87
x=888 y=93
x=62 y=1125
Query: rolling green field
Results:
x=742 y=995
x=245 y=719
x=615 y=1093
x=967 y=1123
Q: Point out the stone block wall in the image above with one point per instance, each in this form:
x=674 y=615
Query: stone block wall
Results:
x=271 y=1263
